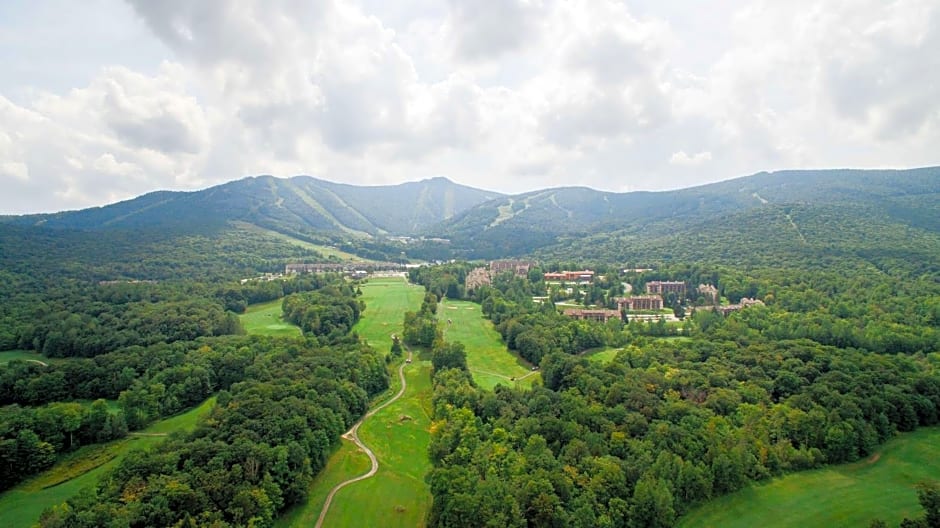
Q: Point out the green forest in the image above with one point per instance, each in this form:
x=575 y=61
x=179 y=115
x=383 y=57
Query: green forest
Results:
x=110 y=331
x=833 y=365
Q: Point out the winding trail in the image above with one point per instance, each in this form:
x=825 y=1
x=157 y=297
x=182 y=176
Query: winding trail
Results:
x=353 y=435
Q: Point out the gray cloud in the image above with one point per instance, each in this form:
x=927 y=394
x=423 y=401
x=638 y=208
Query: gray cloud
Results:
x=486 y=29
x=507 y=95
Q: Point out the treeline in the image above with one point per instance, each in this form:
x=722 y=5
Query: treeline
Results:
x=237 y=296
x=31 y=438
x=255 y=454
x=77 y=293
x=86 y=334
x=282 y=405
x=421 y=328
x=149 y=383
x=84 y=320
x=667 y=424
x=330 y=311
x=637 y=442
x=179 y=367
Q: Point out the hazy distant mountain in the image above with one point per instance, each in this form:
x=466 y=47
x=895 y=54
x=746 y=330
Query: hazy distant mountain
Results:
x=574 y=222
x=295 y=205
x=520 y=224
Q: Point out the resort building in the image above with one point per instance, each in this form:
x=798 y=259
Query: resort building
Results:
x=641 y=302
x=664 y=287
x=708 y=292
x=570 y=276
x=592 y=315
x=519 y=267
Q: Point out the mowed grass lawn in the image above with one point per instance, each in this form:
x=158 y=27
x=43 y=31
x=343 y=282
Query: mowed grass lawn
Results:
x=487 y=357
x=399 y=434
x=880 y=487
x=22 y=505
x=347 y=462
x=266 y=319
x=397 y=494
x=387 y=299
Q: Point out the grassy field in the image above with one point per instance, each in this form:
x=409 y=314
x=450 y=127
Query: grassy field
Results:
x=9 y=355
x=397 y=494
x=347 y=462
x=881 y=487
x=487 y=357
x=387 y=300
x=22 y=505
x=265 y=319
x=399 y=435
x=602 y=355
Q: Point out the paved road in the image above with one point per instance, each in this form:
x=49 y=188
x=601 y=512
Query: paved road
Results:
x=353 y=435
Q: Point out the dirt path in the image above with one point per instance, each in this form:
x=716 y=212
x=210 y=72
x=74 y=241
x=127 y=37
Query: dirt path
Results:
x=146 y=434
x=503 y=376
x=353 y=436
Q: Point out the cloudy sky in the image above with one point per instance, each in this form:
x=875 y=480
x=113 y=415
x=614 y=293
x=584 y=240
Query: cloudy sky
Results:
x=102 y=100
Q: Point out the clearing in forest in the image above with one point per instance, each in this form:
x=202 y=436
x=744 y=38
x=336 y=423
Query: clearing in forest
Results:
x=878 y=487
x=267 y=319
x=398 y=434
x=602 y=354
x=7 y=356
x=487 y=357
x=22 y=504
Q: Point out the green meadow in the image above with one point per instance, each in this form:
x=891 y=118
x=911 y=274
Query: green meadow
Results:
x=347 y=462
x=399 y=434
x=487 y=357
x=22 y=505
x=387 y=299
x=879 y=487
x=266 y=319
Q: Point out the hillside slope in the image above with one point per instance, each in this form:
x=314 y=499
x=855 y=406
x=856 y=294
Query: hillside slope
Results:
x=296 y=205
x=525 y=223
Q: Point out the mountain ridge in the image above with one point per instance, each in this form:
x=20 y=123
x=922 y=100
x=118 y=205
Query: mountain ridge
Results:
x=295 y=204
x=520 y=224
x=484 y=224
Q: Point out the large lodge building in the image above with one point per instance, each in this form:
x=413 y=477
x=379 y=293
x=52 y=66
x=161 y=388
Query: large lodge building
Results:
x=592 y=315
x=664 y=287
x=570 y=276
x=641 y=302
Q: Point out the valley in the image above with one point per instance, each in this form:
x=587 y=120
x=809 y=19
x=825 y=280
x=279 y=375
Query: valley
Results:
x=714 y=355
x=450 y=264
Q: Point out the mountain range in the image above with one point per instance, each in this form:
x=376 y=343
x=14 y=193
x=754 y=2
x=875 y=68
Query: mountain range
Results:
x=487 y=224
x=300 y=204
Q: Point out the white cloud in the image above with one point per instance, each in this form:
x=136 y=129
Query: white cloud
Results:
x=503 y=94
x=682 y=159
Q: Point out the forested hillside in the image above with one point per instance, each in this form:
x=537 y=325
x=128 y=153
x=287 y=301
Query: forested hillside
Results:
x=540 y=220
x=281 y=406
x=301 y=204
x=131 y=323
x=841 y=357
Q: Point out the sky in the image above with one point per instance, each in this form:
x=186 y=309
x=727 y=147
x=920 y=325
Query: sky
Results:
x=104 y=100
